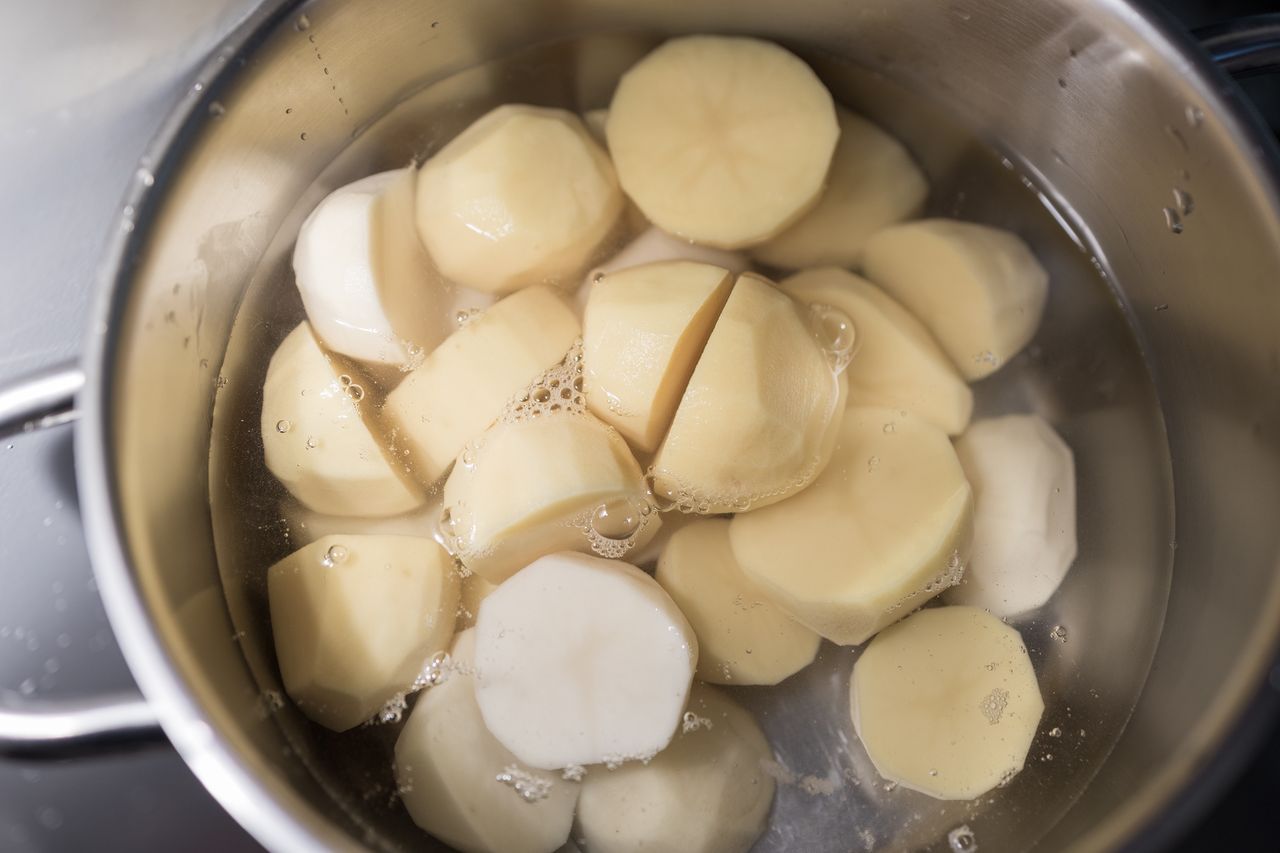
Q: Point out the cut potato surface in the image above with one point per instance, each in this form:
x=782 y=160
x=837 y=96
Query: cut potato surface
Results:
x=462 y=387
x=641 y=337
x=898 y=363
x=760 y=414
x=743 y=638
x=533 y=485
x=707 y=792
x=368 y=287
x=582 y=661
x=1024 y=524
x=464 y=787
x=355 y=620
x=315 y=441
x=722 y=140
x=884 y=529
x=873 y=183
x=522 y=196
x=946 y=702
x=979 y=289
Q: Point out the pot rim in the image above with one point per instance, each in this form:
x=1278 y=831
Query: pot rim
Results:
x=274 y=814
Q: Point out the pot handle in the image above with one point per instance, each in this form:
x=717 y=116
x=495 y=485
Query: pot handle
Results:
x=42 y=728
x=1244 y=47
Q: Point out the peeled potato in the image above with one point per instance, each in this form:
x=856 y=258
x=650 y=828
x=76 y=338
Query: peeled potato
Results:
x=463 y=386
x=369 y=290
x=722 y=140
x=522 y=196
x=979 y=289
x=705 y=793
x=475 y=590
x=946 y=702
x=642 y=334
x=582 y=661
x=886 y=527
x=355 y=619
x=742 y=637
x=760 y=414
x=559 y=481
x=306 y=526
x=873 y=183
x=315 y=441
x=898 y=363
x=460 y=784
x=1024 y=523
x=594 y=121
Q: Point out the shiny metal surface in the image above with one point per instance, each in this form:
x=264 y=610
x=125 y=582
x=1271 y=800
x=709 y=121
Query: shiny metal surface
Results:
x=49 y=728
x=43 y=400
x=1102 y=111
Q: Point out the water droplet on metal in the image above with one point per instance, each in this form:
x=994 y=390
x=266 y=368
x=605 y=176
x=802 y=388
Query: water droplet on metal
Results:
x=145 y=177
x=1172 y=220
x=962 y=840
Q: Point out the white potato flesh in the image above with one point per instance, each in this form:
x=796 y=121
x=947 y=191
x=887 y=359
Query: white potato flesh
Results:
x=898 y=364
x=1024 y=523
x=707 y=792
x=463 y=386
x=448 y=768
x=886 y=527
x=722 y=140
x=979 y=289
x=355 y=620
x=538 y=484
x=743 y=638
x=641 y=337
x=582 y=661
x=646 y=556
x=368 y=287
x=760 y=414
x=873 y=183
x=522 y=196
x=316 y=441
x=946 y=702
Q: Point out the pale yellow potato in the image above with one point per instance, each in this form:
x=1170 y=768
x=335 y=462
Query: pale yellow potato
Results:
x=641 y=337
x=743 y=638
x=707 y=792
x=946 y=702
x=317 y=443
x=722 y=140
x=898 y=363
x=886 y=527
x=463 y=386
x=979 y=289
x=533 y=487
x=475 y=590
x=522 y=196
x=447 y=768
x=355 y=620
x=760 y=414
x=594 y=121
x=306 y=526
x=873 y=183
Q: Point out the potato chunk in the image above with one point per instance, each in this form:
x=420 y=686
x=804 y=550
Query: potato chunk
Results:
x=884 y=529
x=979 y=289
x=355 y=620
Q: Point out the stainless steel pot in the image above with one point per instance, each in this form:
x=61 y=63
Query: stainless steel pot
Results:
x=1106 y=110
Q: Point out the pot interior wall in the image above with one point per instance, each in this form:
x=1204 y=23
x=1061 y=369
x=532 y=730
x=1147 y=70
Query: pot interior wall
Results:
x=1098 y=131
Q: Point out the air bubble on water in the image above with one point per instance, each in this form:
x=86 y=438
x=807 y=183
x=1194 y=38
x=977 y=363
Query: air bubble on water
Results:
x=1059 y=634
x=392 y=711
x=145 y=177
x=692 y=723
x=662 y=492
x=1172 y=220
x=890 y=787
x=283 y=426
x=617 y=520
x=435 y=672
x=986 y=357
x=355 y=392
x=573 y=773
x=962 y=840
x=529 y=786
x=302 y=24
x=311 y=442
x=332 y=557
x=1183 y=201
x=465 y=316
x=598 y=277
x=1055 y=732
x=993 y=704
x=220 y=383
x=577 y=383
x=835 y=334
x=873 y=462
x=303 y=136
x=889 y=427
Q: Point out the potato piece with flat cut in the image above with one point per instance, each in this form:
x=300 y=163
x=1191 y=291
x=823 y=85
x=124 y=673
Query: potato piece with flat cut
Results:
x=979 y=289
x=743 y=638
x=523 y=196
x=355 y=620
x=317 y=443
x=707 y=792
x=760 y=414
x=946 y=702
x=873 y=183
x=884 y=529
x=463 y=386
x=465 y=788
x=641 y=337
x=898 y=363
